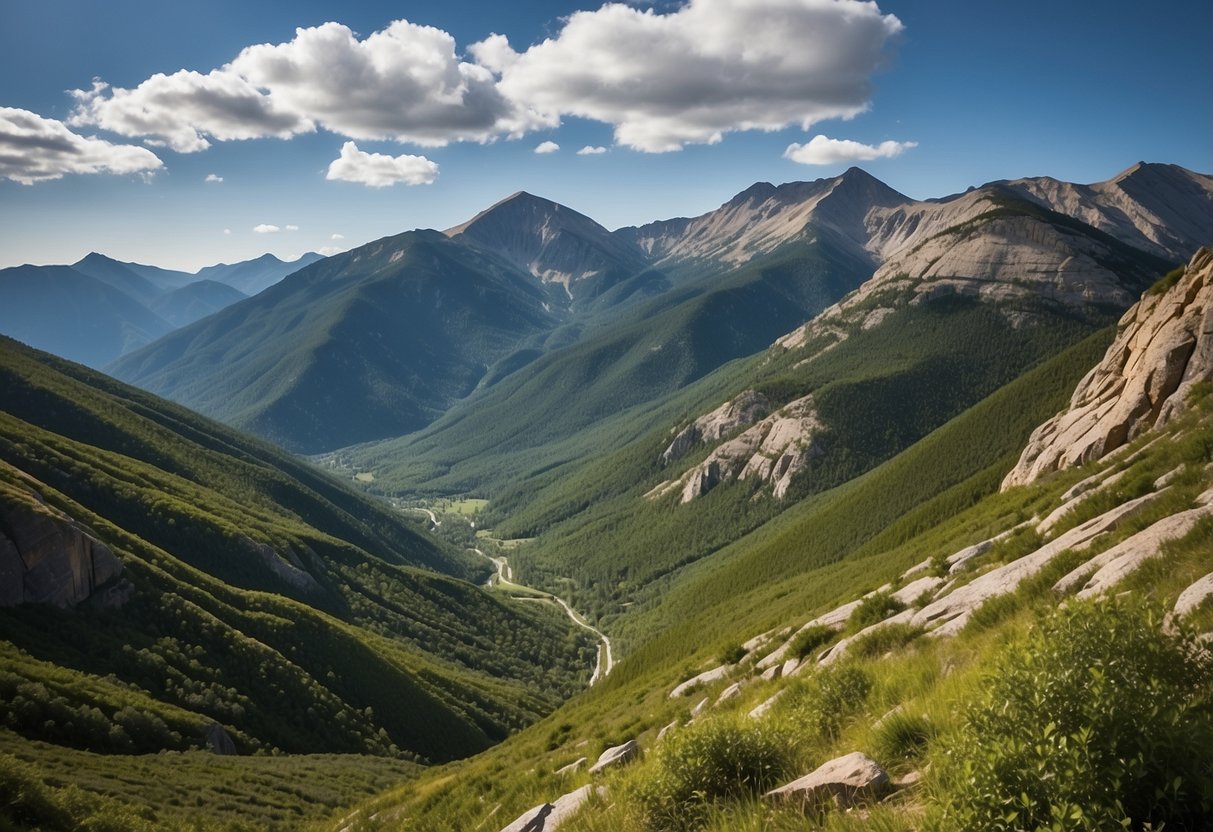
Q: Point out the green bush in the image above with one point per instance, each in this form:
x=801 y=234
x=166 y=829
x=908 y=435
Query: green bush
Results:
x=822 y=703
x=874 y=609
x=890 y=637
x=708 y=763
x=807 y=641
x=732 y=654
x=900 y=737
x=1098 y=721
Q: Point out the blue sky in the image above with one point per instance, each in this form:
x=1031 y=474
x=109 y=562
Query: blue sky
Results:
x=966 y=92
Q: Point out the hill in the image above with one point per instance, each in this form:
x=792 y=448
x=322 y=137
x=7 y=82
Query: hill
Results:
x=172 y=584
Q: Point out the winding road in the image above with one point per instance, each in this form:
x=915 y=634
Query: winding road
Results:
x=505 y=574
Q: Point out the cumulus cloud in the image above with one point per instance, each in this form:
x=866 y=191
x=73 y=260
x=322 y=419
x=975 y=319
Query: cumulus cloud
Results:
x=292 y=228
x=546 y=147
x=212 y=177
x=822 y=150
x=405 y=83
x=378 y=170
x=35 y=149
x=266 y=228
x=590 y=150
x=707 y=68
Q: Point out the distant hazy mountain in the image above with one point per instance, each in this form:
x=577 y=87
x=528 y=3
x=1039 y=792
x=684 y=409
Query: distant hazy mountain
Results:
x=195 y=301
x=253 y=276
x=122 y=277
x=555 y=244
x=371 y=343
x=60 y=310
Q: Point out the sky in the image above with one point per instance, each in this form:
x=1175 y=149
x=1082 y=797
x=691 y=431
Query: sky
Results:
x=185 y=134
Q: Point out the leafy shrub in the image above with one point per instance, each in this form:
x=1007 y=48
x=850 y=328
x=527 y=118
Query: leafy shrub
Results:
x=1098 y=721
x=732 y=654
x=822 y=703
x=874 y=609
x=890 y=637
x=901 y=736
x=707 y=763
x=807 y=641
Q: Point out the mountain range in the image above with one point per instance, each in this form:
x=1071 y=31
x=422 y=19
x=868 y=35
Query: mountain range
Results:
x=99 y=308
x=818 y=462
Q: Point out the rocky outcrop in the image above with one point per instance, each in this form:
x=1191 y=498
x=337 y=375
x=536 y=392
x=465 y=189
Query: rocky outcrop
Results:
x=616 y=756
x=846 y=781
x=773 y=450
x=705 y=678
x=548 y=817
x=219 y=741
x=743 y=411
x=48 y=558
x=1192 y=598
x=1164 y=347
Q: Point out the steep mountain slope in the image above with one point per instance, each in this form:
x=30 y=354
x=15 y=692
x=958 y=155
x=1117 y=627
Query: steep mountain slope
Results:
x=902 y=617
x=371 y=343
x=195 y=301
x=125 y=278
x=553 y=243
x=253 y=276
x=57 y=308
x=173 y=573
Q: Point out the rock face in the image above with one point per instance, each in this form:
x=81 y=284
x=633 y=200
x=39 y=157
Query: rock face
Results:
x=1164 y=347
x=773 y=450
x=846 y=780
x=616 y=756
x=548 y=817
x=47 y=558
x=1194 y=596
x=743 y=411
x=219 y=740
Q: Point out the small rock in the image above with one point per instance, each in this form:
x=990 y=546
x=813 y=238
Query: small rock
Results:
x=698 y=709
x=731 y=692
x=761 y=710
x=789 y=667
x=616 y=756
x=1193 y=596
x=667 y=729
x=846 y=780
x=770 y=673
x=564 y=771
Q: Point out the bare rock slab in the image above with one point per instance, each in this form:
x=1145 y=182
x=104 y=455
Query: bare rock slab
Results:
x=847 y=781
x=616 y=756
x=548 y=817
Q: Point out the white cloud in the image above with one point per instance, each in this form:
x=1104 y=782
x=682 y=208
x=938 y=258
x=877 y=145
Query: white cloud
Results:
x=707 y=68
x=266 y=228
x=379 y=170
x=546 y=147
x=405 y=82
x=590 y=150
x=292 y=228
x=211 y=177
x=822 y=150
x=35 y=149
x=227 y=231
x=329 y=251
x=337 y=237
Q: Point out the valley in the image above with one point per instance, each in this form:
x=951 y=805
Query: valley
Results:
x=714 y=500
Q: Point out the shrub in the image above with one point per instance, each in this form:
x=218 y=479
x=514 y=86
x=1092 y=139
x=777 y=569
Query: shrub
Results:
x=874 y=609
x=900 y=737
x=806 y=641
x=823 y=702
x=890 y=637
x=732 y=654
x=707 y=763
x=1098 y=721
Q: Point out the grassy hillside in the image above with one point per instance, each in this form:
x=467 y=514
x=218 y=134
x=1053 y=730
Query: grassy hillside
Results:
x=256 y=593
x=932 y=705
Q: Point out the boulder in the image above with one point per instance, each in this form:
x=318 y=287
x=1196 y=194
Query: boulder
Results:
x=547 y=817
x=770 y=673
x=700 y=708
x=762 y=709
x=914 y=590
x=1164 y=348
x=571 y=768
x=1126 y=557
x=731 y=692
x=705 y=678
x=667 y=729
x=1192 y=597
x=616 y=756
x=847 y=781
